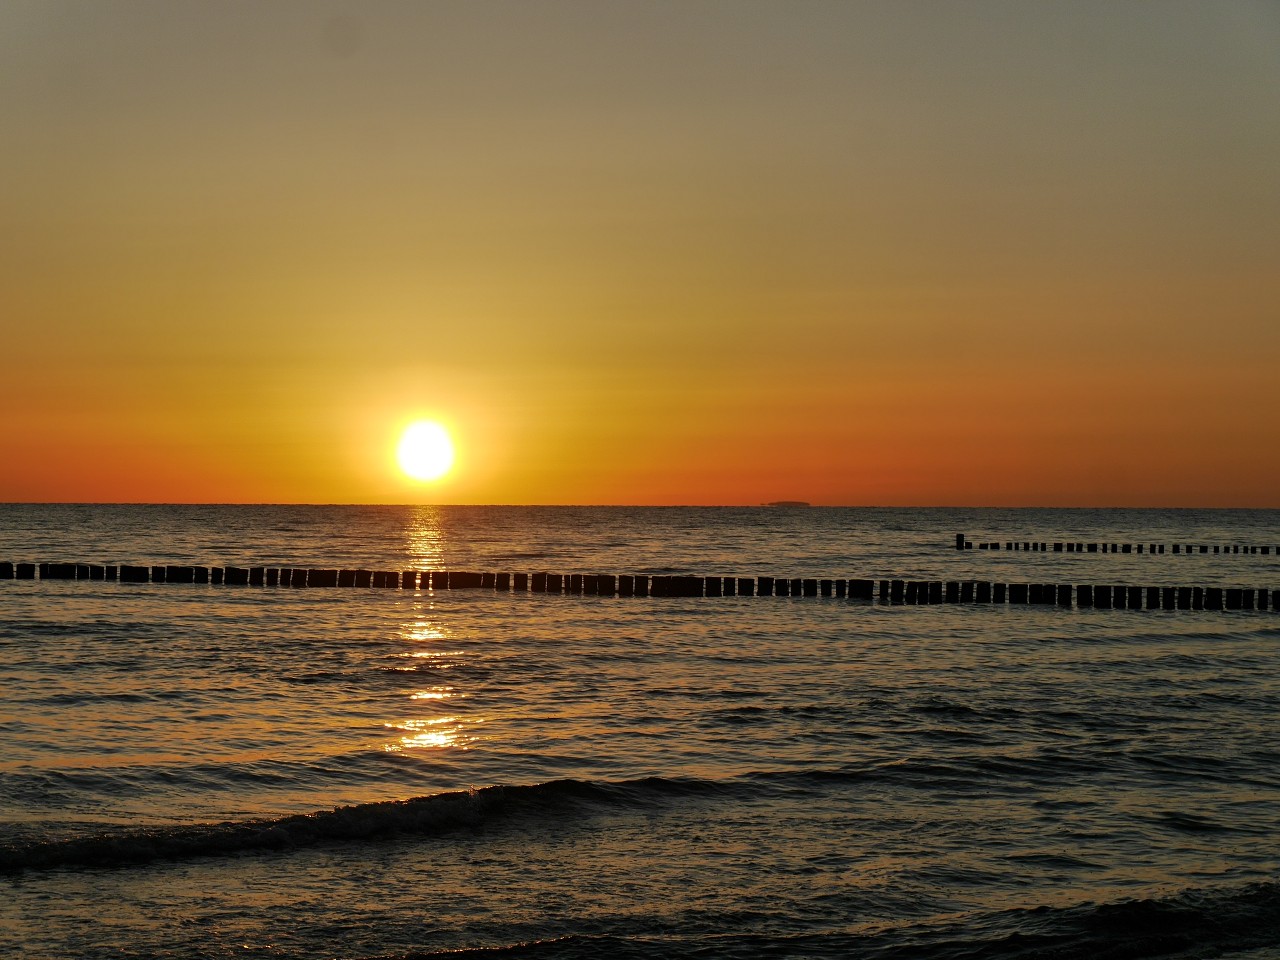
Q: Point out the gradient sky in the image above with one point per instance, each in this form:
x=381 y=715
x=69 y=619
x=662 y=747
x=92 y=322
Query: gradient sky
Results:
x=655 y=252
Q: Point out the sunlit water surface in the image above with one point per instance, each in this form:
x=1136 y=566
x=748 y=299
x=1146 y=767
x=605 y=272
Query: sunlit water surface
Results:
x=731 y=777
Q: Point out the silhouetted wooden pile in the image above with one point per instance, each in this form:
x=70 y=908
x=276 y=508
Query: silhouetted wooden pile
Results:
x=1063 y=546
x=886 y=591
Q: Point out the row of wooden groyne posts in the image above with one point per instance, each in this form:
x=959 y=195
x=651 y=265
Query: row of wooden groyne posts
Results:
x=915 y=592
x=1064 y=546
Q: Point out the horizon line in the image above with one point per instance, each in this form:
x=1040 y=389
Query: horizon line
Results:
x=628 y=506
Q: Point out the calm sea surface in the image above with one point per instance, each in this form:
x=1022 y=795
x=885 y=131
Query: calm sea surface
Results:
x=196 y=771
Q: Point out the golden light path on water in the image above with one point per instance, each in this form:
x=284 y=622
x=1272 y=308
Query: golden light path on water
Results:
x=430 y=649
x=425 y=538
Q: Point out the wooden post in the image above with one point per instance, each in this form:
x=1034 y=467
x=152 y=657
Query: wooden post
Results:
x=1018 y=593
x=520 y=583
x=713 y=586
x=999 y=592
x=764 y=586
x=966 y=591
x=1084 y=595
x=984 y=592
x=128 y=573
x=746 y=586
x=959 y=541
x=1064 y=594
x=897 y=591
x=953 y=591
x=684 y=586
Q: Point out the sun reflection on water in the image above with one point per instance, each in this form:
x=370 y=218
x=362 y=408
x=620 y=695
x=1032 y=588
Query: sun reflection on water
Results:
x=435 y=693
x=425 y=538
x=435 y=733
x=429 y=644
x=423 y=631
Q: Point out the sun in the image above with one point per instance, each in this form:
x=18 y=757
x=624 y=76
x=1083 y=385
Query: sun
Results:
x=425 y=451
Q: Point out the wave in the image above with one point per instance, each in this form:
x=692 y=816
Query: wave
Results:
x=1186 y=924
x=559 y=802
x=421 y=816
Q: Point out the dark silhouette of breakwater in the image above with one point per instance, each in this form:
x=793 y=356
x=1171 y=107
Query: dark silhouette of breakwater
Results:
x=1064 y=546
x=887 y=591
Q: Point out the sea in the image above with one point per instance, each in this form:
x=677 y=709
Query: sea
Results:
x=216 y=771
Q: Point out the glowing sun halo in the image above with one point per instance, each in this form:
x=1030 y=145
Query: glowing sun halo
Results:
x=425 y=451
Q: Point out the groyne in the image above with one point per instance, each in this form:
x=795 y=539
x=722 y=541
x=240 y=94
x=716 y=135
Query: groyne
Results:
x=1069 y=546
x=894 y=591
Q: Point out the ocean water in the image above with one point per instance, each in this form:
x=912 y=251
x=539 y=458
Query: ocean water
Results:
x=196 y=771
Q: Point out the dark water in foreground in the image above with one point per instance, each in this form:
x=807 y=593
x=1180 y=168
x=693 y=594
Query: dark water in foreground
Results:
x=212 y=772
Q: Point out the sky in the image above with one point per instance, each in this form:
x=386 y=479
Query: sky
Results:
x=688 y=252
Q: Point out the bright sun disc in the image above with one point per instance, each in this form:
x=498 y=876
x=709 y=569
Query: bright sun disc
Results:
x=425 y=451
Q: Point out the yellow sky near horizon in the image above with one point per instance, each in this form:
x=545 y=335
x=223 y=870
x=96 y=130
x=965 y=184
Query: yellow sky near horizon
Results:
x=708 y=252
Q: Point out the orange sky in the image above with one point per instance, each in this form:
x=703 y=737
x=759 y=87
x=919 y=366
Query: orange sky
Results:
x=686 y=252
